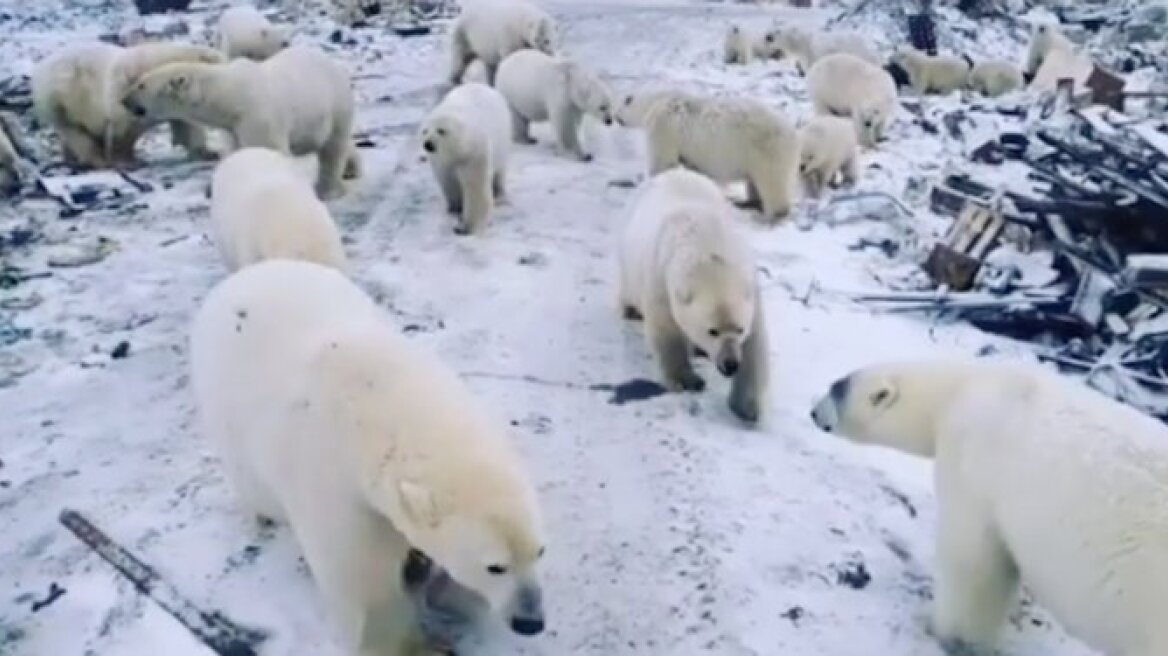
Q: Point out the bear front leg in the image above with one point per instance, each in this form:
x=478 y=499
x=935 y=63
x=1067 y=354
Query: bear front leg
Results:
x=80 y=149
x=850 y=171
x=813 y=183
x=663 y=154
x=672 y=351
x=566 y=122
x=520 y=128
x=451 y=187
x=492 y=68
x=460 y=55
x=499 y=185
x=748 y=391
x=977 y=579
x=474 y=178
x=192 y=137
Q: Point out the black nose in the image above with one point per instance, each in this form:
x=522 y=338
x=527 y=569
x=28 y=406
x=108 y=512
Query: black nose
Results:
x=728 y=367
x=429 y=146
x=526 y=626
x=608 y=121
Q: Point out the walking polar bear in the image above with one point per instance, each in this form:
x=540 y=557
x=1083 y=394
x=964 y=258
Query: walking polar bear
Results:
x=845 y=85
x=539 y=87
x=298 y=102
x=995 y=77
x=1038 y=478
x=77 y=91
x=686 y=271
x=939 y=74
x=245 y=32
x=467 y=139
x=807 y=47
x=489 y=30
x=727 y=139
x=263 y=208
x=325 y=416
x=828 y=148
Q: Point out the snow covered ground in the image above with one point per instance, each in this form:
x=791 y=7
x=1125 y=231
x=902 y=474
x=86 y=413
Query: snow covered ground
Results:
x=675 y=530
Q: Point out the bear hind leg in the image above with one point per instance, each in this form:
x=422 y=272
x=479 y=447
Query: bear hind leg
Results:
x=81 y=149
x=566 y=121
x=771 y=181
x=460 y=55
x=977 y=579
x=520 y=128
x=672 y=350
x=499 y=184
x=451 y=189
x=191 y=137
x=334 y=157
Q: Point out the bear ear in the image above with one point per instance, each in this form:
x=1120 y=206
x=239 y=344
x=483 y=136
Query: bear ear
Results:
x=418 y=503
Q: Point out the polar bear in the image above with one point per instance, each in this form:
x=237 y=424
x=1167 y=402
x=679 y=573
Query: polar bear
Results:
x=298 y=102
x=728 y=139
x=492 y=29
x=540 y=87
x=467 y=139
x=845 y=85
x=325 y=416
x=687 y=271
x=827 y=147
x=995 y=77
x=262 y=207
x=939 y=74
x=77 y=91
x=245 y=32
x=1037 y=477
x=742 y=45
x=1045 y=38
x=1059 y=60
x=806 y=47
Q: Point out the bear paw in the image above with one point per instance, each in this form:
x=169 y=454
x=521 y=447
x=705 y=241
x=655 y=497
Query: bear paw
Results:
x=461 y=229
x=688 y=382
x=631 y=313
x=747 y=410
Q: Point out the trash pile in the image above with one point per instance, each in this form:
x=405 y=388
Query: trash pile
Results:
x=1067 y=246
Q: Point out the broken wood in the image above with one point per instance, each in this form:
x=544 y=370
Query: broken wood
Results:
x=956 y=261
x=220 y=634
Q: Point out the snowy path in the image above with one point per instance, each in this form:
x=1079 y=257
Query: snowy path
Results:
x=675 y=531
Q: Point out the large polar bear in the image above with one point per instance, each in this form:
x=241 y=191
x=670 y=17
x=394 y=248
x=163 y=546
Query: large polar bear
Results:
x=540 y=87
x=939 y=74
x=845 y=85
x=828 y=148
x=299 y=102
x=686 y=271
x=327 y=417
x=728 y=139
x=1052 y=57
x=995 y=77
x=807 y=47
x=77 y=91
x=467 y=139
x=262 y=208
x=245 y=32
x=489 y=30
x=1038 y=478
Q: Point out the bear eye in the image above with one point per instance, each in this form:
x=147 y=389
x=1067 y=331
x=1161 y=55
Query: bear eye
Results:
x=628 y=100
x=770 y=38
x=441 y=132
x=541 y=551
x=880 y=396
x=713 y=332
x=497 y=570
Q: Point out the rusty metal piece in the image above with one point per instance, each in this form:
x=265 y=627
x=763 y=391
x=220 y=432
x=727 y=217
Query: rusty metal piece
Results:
x=1106 y=88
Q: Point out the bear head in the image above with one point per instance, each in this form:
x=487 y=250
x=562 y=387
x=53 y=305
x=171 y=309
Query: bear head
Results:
x=162 y=93
x=541 y=34
x=484 y=532
x=589 y=93
x=713 y=300
x=271 y=40
x=446 y=138
x=895 y=404
x=869 y=123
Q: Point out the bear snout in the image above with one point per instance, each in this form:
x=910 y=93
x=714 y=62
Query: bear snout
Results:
x=133 y=107
x=823 y=415
x=429 y=146
x=527 y=626
x=728 y=366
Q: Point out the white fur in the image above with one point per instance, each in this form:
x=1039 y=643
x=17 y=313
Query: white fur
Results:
x=742 y=45
x=298 y=102
x=807 y=47
x=728 y=139
x=1036 y=476
x=77 y=91
x=845 y=85
x=1060 y=63
x=940 y=74
x=262 y=208
x=1045 y=38
x=540 y=87
x=634 y=108
x=689 y=273
x=468 y=142
x=245 y=32
x=325 y=416
x=995 y=77
x=828 y=147
x=489 y=30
